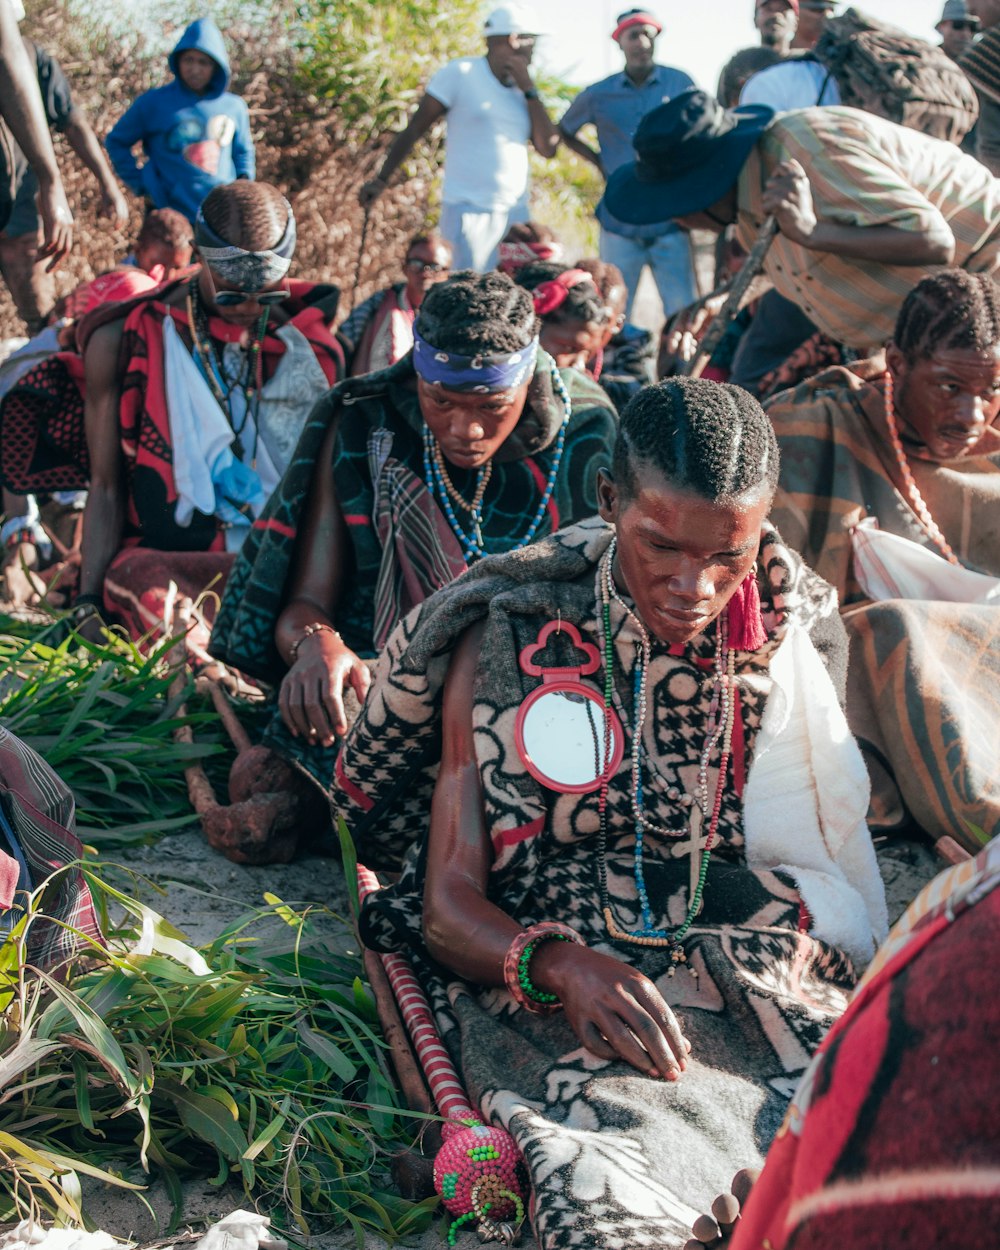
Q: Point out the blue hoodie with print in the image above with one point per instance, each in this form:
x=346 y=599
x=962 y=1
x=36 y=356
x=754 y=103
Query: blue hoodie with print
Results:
x=192 y=142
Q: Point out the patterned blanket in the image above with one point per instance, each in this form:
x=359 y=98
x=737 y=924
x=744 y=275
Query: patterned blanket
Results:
x=367 y=408
x=891 y=1138
x=401 y=543
x=615 y=1159
x=924 y=677
x=38 y=812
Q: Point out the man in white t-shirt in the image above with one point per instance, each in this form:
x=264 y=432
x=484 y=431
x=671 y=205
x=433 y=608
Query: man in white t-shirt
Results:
x=493 y=112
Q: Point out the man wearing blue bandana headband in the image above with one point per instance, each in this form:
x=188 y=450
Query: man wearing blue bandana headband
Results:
x=473 y=443
x=193 y=408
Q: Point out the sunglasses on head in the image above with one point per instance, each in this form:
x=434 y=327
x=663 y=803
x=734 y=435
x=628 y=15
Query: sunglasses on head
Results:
x=425 y=266
x=229 y=299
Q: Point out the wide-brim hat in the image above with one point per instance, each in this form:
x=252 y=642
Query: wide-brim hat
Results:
x=958 y=11
x=689 y=152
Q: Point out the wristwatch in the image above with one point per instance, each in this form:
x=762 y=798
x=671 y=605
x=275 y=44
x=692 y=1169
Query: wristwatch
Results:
x=531 y=94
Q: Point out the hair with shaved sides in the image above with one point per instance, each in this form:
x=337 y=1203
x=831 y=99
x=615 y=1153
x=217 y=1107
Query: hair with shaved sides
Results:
x=710 y=438
x=250 y=215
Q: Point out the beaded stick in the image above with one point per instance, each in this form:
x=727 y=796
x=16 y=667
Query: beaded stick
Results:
x=479 y=1171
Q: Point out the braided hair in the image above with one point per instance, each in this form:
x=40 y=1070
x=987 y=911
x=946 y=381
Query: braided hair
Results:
x=609 y=281
x=946 y=310
x=583 y=302
x=710 y=438
x=473 y=313
x=251 y=215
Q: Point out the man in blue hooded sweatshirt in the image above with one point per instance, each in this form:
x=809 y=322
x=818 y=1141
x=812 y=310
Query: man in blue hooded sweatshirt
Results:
x=195 y=134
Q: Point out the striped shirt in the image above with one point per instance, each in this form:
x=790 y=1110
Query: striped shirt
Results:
x=865 y=171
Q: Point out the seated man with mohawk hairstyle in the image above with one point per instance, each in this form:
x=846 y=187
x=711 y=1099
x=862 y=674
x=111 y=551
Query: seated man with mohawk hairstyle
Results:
x=555 y=901
x=188 y=437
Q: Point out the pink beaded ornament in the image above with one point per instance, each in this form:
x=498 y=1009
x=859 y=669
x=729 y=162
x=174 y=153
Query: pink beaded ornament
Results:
x=479 y=1173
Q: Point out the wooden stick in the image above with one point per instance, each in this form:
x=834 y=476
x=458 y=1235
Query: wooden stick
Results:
x=237 y=734
x=950 y=851
x=411 y=1079
x=199 y=788
x=727 y=315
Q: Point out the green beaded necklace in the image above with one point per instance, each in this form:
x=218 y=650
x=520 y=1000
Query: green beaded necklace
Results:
x=720 y=728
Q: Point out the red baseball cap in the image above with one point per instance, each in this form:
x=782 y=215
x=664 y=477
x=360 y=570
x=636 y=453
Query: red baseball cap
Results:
x=792 y=4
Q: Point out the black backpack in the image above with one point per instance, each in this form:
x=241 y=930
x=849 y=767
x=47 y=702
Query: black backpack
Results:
x=897 y=76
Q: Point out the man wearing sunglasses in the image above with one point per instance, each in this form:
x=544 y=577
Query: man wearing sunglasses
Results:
x=380 y=330
x=813 y=17
x=194 y=405
x=957 y=28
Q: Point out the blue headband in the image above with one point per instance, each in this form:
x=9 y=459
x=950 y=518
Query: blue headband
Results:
x=482 y=374
x=249 y=271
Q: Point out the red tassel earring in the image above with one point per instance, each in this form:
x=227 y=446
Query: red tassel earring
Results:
x=746 y=625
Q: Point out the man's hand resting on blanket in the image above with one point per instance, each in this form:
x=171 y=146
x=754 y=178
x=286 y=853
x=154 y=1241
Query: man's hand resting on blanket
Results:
x=311 y=698
x=615 y=1011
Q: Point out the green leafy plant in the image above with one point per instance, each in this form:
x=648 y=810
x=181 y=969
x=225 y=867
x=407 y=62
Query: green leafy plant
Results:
x=255 y=1057
x=103 y=716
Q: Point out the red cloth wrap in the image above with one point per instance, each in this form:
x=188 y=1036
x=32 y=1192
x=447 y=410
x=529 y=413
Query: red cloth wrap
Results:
x=515 y=254
x=548 y=296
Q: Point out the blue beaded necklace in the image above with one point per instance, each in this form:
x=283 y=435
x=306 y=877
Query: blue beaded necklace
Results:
x=472 y=543
x=719 y=729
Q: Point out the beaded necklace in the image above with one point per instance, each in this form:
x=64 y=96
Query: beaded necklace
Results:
x=719 y=727
x=914 y=497
x=436 y=475
x=248 y=382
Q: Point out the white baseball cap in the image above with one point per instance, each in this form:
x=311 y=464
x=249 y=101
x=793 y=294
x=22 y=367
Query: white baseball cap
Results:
x=512 y=19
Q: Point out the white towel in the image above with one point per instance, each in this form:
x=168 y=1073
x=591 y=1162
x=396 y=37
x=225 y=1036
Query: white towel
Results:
x=806 y=802
x=200 y=435
x=888 y=566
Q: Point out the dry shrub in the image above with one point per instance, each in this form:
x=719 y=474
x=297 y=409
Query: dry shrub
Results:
x=320 y=121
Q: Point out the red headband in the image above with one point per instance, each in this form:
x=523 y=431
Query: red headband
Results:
x=516 y=254
x=548 y=296
x=636 y=19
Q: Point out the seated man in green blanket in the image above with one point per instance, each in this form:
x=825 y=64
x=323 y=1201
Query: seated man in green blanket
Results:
x=556 y=902
x=475 y=442
x=890 y=489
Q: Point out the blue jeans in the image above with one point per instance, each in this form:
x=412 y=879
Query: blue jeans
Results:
x=669 y=257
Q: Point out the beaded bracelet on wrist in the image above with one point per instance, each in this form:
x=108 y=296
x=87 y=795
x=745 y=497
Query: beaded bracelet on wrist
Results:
x=516 y=966
x=317 y=627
